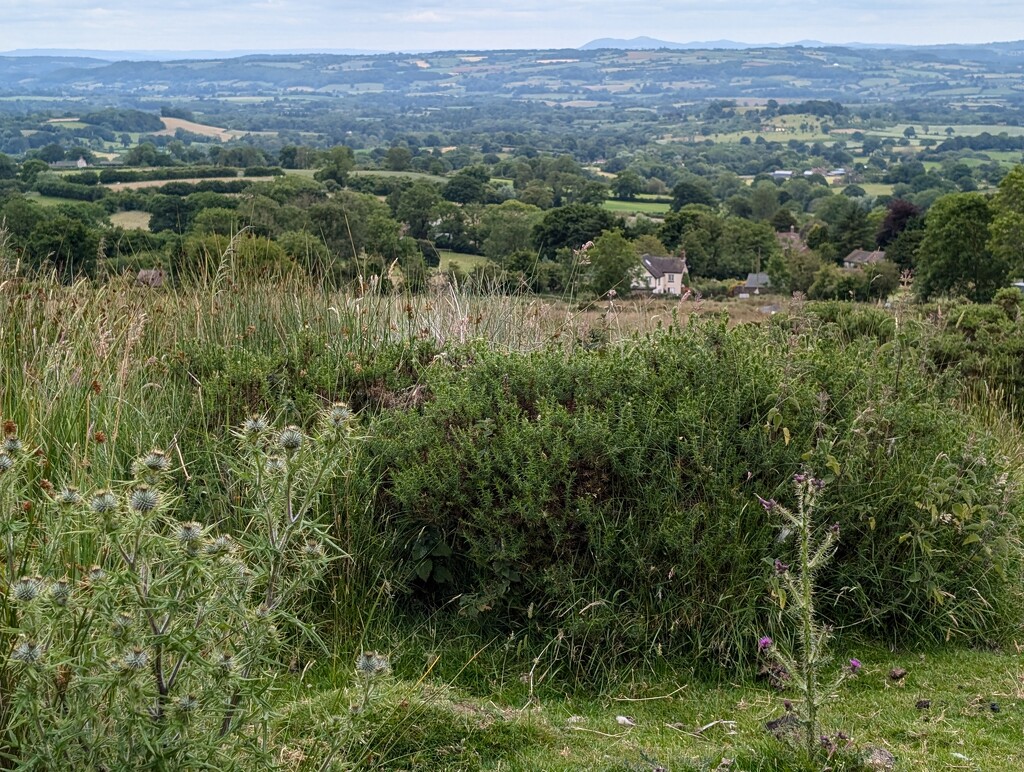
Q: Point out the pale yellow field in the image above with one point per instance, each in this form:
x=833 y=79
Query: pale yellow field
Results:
x=171 y=125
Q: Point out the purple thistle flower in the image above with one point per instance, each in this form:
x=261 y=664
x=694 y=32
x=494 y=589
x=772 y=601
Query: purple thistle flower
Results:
x=855 y=666
x=834 y=530
x=799 y=478
x=768 y=504
x=780 y=567
x=764 y=643
x=818 y=483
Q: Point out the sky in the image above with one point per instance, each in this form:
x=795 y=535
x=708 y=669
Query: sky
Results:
x=432 y=25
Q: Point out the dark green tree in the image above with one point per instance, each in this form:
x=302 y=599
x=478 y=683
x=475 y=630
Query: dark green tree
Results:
x=1007 y=233
x=612 y=263
x=954 y=256
x=570 y=227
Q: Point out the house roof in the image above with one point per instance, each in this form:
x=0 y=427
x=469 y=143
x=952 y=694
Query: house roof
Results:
x=659 y=266
x=863 y=257
x=791 y=240
x=757 y=280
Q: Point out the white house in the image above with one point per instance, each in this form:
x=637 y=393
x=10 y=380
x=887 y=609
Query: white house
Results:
x=662 y=275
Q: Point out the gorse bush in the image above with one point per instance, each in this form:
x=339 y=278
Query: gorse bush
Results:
x=132 y=638
x=607 y=495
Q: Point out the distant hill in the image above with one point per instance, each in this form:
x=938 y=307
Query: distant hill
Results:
x=600 y=77
x=646 y=43
x=168 y=56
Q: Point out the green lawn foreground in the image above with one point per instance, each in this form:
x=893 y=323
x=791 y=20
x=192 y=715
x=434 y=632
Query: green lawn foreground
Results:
x=953 y=709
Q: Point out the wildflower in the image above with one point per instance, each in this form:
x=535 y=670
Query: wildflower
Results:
x=254 y=426
x=274 y=464
x=312 y=550
x=96 y=574
x=156 y=461
x=768 y=504
x=26 y=506
x=243 y=576
x=27 y=651
x=136 y=658
x=290 y=438
x=855 y=666
x=339 y=415
x=370 y=665
x=60 y=591
x=12 y=445
x=26 y=589
x=103 y=502
x=834 y=529
x=189 y=533
x=10 y=428
x=121 y=624
x=224 y=662
x=99 y=437
x=818 y=483
x=780 y=567
x=799 y=478
x=6 y=462
x=222 y=545
x=187 y=703
x=67 y=496
x=764 y=643
x=143 y=499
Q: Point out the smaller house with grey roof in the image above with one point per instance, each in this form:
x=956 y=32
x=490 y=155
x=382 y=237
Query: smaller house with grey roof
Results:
x=662 y=275
x=861 y=257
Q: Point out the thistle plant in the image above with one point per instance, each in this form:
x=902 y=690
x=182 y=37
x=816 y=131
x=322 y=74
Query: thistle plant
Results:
x=131 y=635
x=806 y=666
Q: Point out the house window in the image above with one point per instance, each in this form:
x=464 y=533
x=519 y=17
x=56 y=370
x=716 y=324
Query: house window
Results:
x=671 y=278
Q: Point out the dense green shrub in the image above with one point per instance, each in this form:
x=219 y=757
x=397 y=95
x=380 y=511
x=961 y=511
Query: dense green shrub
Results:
x=610 y=495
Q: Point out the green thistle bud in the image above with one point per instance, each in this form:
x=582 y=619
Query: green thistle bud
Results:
x=26 y=589
x=243 y=576
x=313 y=550
x=143 y=499
x=96 y=575
x=67 y=496
x=28 y=651
x=11 y=445
x=188 y=534
x=254 y=426
x=338 y=416
x=290 y=438
x=187 y=704
x=136 y=658
x=103 y=502
x=274 y=465
x=6 y=462
x=121 y=625
x=60 y=591
x=222 y=545
x=224 y=661
x=371 y=665
x=156 y=461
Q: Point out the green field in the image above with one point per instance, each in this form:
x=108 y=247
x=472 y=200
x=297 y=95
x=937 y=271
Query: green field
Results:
x=637 y=207
x=387 y=173
x=461 y=260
